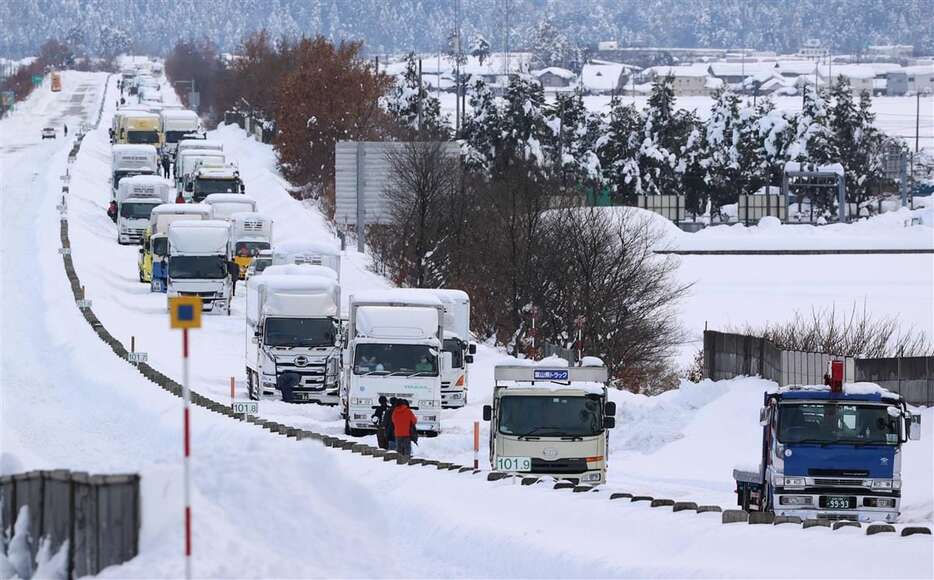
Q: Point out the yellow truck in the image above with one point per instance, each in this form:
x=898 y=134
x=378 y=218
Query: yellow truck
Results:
x=56 y=81
x=138 y=127
x=155 y=243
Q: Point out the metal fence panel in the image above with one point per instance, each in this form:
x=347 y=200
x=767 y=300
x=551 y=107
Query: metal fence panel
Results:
x=7 y=502
x=85 y=526
x=669 y=206
x=751 y=208
x=29 y=493
x=118 y=518
x=57 y=508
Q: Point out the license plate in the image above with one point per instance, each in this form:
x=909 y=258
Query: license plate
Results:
x=837 y=502
x=513 y=464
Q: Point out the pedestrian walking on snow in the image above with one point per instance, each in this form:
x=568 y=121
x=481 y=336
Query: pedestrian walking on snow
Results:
x=381 y=410
x=403 y=423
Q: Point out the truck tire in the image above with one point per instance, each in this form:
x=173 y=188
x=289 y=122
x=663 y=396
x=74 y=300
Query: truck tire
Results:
x=348 y=430
x=251 y=386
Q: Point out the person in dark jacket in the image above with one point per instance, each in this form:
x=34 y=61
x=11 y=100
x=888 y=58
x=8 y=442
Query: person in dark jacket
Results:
x=233 y=270
x=403 y=423
x=112 y=210
x=381 y=410
x=386 y=423
x=165 y=166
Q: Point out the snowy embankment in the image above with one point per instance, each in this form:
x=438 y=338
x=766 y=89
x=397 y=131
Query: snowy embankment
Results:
x=265 y=506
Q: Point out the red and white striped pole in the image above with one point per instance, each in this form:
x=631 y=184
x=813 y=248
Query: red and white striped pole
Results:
x=186 y=396
x=476 y=444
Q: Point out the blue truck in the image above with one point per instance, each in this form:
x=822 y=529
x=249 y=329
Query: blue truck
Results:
x=830 y=453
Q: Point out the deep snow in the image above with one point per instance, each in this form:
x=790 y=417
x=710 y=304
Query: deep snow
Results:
x=265 y=506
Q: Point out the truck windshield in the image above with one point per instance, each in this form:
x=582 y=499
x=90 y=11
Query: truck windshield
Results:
x=456 y=348
x=208 y=186
x=197 y=267
x=249 y=249
x=259 y=264
x=174 y=136
x=836 y=423
x=136 y=137
x=160 y=246
x=136 y=211
x=396 y=359
x=551 y=416
x=307 y=332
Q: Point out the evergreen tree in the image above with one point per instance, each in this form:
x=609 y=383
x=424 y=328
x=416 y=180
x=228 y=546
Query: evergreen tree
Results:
x=574 y=135
x=618 y=149
x=482 y=129
x=664 y=133
x=480 y=48
x=412 y=106
x=856 y=142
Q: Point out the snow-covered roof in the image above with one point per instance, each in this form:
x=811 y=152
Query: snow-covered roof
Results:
x=919 y=69
x=395 y=295
x=691 y=70
x=601 y=77
x=555 y=70
x=713 y=83
x=183 y=208
x=855 y=389
x=300 y=270
x=735 y=69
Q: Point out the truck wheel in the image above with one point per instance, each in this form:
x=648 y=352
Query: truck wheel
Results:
x=251 y=386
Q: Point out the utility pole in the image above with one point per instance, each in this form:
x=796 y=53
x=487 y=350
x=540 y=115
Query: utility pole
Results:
x=917 y=128
x=418 y=103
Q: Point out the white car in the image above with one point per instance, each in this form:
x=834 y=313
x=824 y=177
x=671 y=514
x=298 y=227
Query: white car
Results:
x=48 y=133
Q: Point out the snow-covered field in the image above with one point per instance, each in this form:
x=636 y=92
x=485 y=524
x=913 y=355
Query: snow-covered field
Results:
x=269 y=507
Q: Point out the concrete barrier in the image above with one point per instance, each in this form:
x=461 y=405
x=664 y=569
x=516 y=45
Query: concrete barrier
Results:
x=496 y=476
x=915 y=530
x=681 y=506
x=761 y=517
x=846 y=524
x=662 y=503
x=620 y=495
x=874 y=529
x=787 y=520
x=702 y=509
x=734 y=516
x=647 y=498
x=815 y=524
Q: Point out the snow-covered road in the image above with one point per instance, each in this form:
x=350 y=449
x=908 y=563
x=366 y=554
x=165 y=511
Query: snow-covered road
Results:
x=269 y=507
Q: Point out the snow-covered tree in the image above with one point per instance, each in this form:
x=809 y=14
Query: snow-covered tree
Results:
x=482 y=130
x=412 y=106
x=856 y=141
x=575 y=131
x=618 y=149
x=550 y=46
x=480 y=48
x=114 y=41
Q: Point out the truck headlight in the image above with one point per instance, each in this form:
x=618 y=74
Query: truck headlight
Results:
x=361 y=402
x=879 y=502
x=430 y=418
x=793 y=482
x=593 y=476
x=882 y=484
x=427 y=403
x=795 y=500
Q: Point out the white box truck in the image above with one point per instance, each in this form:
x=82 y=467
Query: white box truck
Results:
x=250 y=234
x=175 y=124
x=293 y=335
x=458 y=349
x=392 y=348
x=198 y=262
x=129 y=160
x=225 y=205
x=186 y=162
x=136 y=198
x=153 y=256
x=207 y=180
x=188 y=144
x=551 y=420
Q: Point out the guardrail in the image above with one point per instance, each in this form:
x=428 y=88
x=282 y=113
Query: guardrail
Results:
x=96 y=518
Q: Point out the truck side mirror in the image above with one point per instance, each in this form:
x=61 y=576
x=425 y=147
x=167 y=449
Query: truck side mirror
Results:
x=242 y=188
x=487 y=413
x=609 y=422
x=609 y=409
x=914 y=427
x=468 y=359
x=472 y=348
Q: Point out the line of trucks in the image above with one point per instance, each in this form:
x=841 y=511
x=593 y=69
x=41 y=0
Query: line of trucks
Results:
x=827 y=451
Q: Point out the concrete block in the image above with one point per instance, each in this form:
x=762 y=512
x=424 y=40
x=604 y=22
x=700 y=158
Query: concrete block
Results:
x=530 y=480
x=846 y=524
x=761 y=517
x=815 y=524
x=913 y=530
x=564 y=485
x=662 y=502
x=583 y=488
x=787 y=520
x=874 y=529
x=682 y=506
x=734 y=516
x=647 y=498
x=496 y=476
x=620 y=495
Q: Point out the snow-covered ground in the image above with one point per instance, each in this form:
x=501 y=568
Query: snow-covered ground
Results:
x=269 y=507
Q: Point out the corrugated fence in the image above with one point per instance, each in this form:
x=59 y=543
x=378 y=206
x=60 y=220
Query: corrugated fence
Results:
x=728 y=355
x=98 y=515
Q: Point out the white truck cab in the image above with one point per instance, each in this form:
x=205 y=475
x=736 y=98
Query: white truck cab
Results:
x=392 y=349
x=188 y=160
x=293 y=334
x=130 y=160
x=206 y=180
x=198 y=256
x=175 y=124
x=226 y=205
x=136 y=198
x=314 y=253
x=250 y=234
x=549 y=419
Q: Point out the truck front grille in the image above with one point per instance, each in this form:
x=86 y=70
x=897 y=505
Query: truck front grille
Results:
x=561 y=466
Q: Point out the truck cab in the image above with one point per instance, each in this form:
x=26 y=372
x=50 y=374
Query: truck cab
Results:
x=198 y=255
x=293 y=334
x=392 y=349
x=830 y=452
x=152 y=266
x=550 y=420
x=190 y=159
x=259 y=263
x=175 y=124
x=139 y=128
x=250 y=234
x=207 y=180
x=136 y=198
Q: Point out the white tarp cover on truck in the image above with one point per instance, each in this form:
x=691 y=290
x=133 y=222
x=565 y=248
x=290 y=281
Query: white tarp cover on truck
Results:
x=301 y=270
x=291 y=295
x=145 y=186
x=199 y=144
x=165 y=214
x=179 y=120
x=133 y=157
x=187 y=160
x=315 y=253
x=226 y=205
x=206 y=238
x=390 y=322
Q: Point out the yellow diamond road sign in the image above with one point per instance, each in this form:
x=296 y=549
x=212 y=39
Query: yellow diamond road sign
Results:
x=185 y=311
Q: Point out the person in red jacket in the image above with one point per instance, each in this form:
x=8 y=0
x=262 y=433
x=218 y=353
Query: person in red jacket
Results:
x=180 y=198
x=403 y=425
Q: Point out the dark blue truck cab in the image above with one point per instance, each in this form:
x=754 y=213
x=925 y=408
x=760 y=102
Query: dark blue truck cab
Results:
x=830 y=453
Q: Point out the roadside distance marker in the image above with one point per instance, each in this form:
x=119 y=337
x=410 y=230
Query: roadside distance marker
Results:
x=185 y=313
